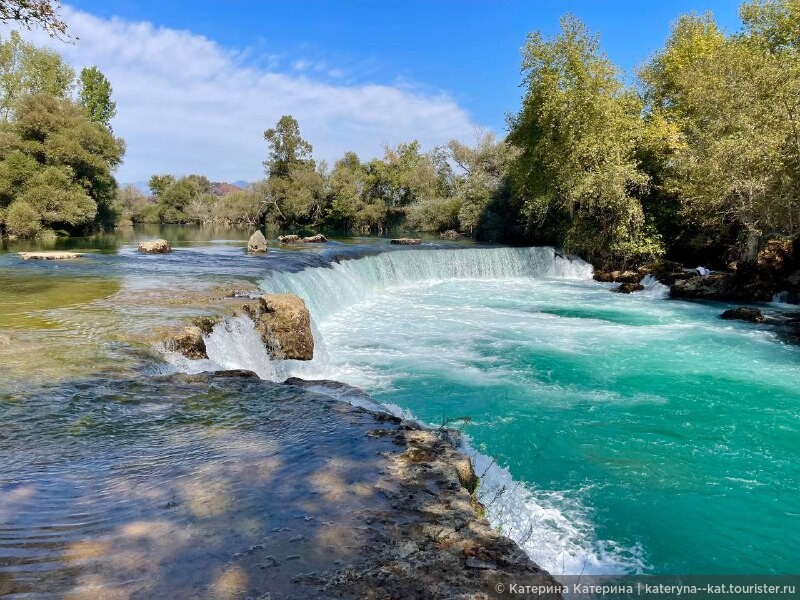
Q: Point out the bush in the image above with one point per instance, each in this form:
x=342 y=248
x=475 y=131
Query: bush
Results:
x=22 y=220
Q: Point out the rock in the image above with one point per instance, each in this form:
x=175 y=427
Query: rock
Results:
x=743 y=313
x=617 y=276
x=289 y=239
x=257 y=244
x=466 y=474
x=776 y=255
x=475 y=563
x=406 y=241
x=284 y=324
x=794 y=278
x=713 y=287
x=189 y=342
x=296 y=239
x=52 y=255
x=627 y=288
x=450 y=234
x=155 y=247
x=315 y=239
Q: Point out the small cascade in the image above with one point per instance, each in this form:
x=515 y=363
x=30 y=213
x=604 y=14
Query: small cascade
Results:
x=234 y=343
x=341 y=284
x=781 y=298
x=653 y=287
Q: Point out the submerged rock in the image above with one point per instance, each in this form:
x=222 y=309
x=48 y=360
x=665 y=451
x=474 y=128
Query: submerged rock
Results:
x=289 y=239
x=51 y=255
x=155 y=247
x=743 y=313
x=257 y=244
x=406 y=241
x=627 y=288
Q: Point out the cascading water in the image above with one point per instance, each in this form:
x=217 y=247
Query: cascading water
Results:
x=614 y=421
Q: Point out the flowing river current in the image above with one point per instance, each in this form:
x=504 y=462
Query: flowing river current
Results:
x=613 y=433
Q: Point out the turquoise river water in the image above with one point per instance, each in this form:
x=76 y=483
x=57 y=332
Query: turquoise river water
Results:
x=614 y=433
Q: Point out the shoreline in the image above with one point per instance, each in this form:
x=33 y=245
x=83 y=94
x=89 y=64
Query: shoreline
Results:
x=432 y=539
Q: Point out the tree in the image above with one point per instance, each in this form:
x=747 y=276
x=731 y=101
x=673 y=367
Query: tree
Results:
x=735 y=104
x=577 y=133
x=57 y=163
x=27 y=70
x=159 y=183
x=94 y=95
x=287 y=149
x=34 y=13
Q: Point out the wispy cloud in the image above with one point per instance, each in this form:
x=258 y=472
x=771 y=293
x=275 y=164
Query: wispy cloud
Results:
x=186 y=104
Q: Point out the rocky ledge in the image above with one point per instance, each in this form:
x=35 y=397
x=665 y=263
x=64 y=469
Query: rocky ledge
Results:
x=281 y=320
x=412 y=527
x=406 y=242
x=296 y=239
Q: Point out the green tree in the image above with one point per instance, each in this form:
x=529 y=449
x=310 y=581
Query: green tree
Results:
x=287 y=149
x=577 y=134
x=94 y=94
x=28 y=70
x=59 y=164
x=735 y=104
x=159 y=183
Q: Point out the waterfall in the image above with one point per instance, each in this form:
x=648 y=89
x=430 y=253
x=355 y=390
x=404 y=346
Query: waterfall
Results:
x=654 y=288
x=344 y=283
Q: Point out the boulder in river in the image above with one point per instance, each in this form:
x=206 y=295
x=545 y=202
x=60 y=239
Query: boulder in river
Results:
x=52 y=255
x=627 y=288
x=711 y=287
x=450 y=234
x=155 y=247
x=406 y=241
x=189 y=342
x=284 y=324
x=743 y=313
x=296 y=239
x=617 y=276
x=257 y=244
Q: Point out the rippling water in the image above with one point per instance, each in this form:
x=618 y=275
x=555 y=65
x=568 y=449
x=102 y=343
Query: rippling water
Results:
x=615 y=433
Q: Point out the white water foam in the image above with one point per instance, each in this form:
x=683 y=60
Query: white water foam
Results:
x=653 y=288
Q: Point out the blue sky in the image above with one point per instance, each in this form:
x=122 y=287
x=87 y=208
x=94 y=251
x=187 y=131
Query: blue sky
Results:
x=440 y=66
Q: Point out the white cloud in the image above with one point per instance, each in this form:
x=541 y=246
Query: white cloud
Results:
x=187 y=105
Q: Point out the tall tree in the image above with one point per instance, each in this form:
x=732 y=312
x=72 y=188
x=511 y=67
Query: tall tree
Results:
x=287 y=148
x=577 y=133
x=26 y=69
x=735 y=103
x=94 y=94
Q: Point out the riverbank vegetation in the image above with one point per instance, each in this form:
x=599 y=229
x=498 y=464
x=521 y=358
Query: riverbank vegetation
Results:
x=696 y=155
x=57 y=150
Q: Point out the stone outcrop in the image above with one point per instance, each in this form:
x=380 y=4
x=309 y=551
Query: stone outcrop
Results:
x=155 y=247
x=189 y=342
x=618 y=276
x=743 y=313
x=406 y=241
x=281 y=320
x=450 y=234
x=628 y=288
x=296 y=239
x=719 y=286
x=52 y=255
x=284 y=324
x=257 y=244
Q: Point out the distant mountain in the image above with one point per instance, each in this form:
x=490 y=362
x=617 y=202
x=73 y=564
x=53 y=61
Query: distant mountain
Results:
x=220 y=188
x=241 y=184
